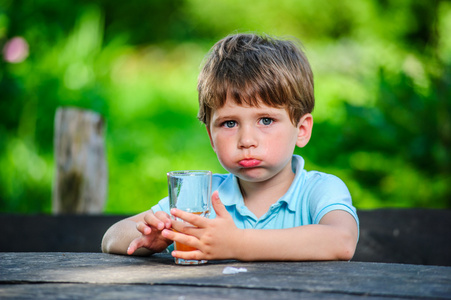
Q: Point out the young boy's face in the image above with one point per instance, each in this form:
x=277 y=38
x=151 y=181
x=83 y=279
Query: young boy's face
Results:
x=255 y=143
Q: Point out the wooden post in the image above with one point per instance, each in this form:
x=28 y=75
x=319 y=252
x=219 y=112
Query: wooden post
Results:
x=80 y=182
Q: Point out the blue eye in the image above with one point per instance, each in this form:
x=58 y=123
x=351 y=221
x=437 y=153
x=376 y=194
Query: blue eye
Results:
x=229 y=124
x=266 y=121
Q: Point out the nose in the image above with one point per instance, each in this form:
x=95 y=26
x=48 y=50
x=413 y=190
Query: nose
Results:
x=247 y=137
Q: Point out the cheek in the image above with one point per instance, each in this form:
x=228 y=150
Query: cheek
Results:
x=221 y=147
x=281 y=146
x=275 y=150
x=221 y=139
x=216 y=143
x=223 y=153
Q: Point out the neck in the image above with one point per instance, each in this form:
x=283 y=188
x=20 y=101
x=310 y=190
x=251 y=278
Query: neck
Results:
x=259 y=196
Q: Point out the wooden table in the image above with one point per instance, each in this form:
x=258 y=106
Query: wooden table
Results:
x=43 y=275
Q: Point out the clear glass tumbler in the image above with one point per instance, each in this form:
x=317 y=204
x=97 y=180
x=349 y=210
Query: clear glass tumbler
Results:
x=190 y=191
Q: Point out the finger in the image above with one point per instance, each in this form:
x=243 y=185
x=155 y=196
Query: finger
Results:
x=191 y=218
x=219 y=208
x=143 y=228
x=134 y=245
x=185 y=228
x=195 y=255
x=181 y=238
x=152 y=220
x=165 y=218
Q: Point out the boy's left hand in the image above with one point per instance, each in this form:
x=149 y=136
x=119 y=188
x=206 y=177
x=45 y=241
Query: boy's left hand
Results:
x=214 y=238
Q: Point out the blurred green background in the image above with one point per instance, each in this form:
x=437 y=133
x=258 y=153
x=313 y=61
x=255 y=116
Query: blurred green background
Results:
x=382 y=78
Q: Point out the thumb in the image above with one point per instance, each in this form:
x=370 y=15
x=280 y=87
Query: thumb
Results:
x=219 y=208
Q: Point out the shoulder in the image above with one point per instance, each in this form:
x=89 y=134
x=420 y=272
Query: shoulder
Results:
x=327 y=192
x=324 y=182
x=315 y=180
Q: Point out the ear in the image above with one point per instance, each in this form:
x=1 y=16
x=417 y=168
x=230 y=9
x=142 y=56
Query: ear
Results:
x=209 y=136
x=304 y=126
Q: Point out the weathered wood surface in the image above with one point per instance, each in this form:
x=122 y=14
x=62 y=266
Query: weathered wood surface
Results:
x=80 y=182
x=123 y=291
x=97 y=275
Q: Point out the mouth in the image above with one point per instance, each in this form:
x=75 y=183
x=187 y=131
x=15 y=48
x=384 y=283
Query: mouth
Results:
x=249 y=162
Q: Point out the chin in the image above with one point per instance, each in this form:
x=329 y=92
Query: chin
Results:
x=252 y=175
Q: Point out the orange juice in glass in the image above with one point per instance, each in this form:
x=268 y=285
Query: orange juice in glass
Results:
x=190 y=191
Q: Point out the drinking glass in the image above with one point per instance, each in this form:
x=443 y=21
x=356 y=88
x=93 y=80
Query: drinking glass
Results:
x=190 y=191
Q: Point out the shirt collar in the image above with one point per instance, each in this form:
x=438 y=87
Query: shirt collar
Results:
x=229 y=191
x=297 y=164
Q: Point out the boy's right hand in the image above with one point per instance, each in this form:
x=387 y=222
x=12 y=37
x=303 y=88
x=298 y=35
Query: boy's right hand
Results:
x=150 y=229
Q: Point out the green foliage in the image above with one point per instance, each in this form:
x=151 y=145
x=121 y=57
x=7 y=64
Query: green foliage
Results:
x=382 y=77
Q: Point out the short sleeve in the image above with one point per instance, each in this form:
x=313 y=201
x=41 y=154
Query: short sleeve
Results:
x=328 y=193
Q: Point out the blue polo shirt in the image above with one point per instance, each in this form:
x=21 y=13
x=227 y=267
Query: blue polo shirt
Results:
x=311 y=195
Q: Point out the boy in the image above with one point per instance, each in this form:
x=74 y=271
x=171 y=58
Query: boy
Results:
x=256 y=99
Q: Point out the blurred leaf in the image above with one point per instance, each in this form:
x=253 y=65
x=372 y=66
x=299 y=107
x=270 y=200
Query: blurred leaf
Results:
x=382 y=80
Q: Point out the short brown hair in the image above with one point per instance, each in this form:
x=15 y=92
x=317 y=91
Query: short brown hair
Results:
x=252 y=69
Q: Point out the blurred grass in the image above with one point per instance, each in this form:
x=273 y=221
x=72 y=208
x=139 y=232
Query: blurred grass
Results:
x=382 y=80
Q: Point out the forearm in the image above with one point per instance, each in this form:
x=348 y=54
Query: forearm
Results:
x=310 y=242
x=335 y=238
x=119 y=236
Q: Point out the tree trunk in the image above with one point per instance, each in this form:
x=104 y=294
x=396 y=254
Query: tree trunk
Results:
x=80 y=182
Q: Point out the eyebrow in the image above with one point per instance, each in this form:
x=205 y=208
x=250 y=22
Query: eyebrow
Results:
x=222 y=119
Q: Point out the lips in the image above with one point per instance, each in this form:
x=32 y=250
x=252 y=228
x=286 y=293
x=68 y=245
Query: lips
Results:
x=249 y=162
